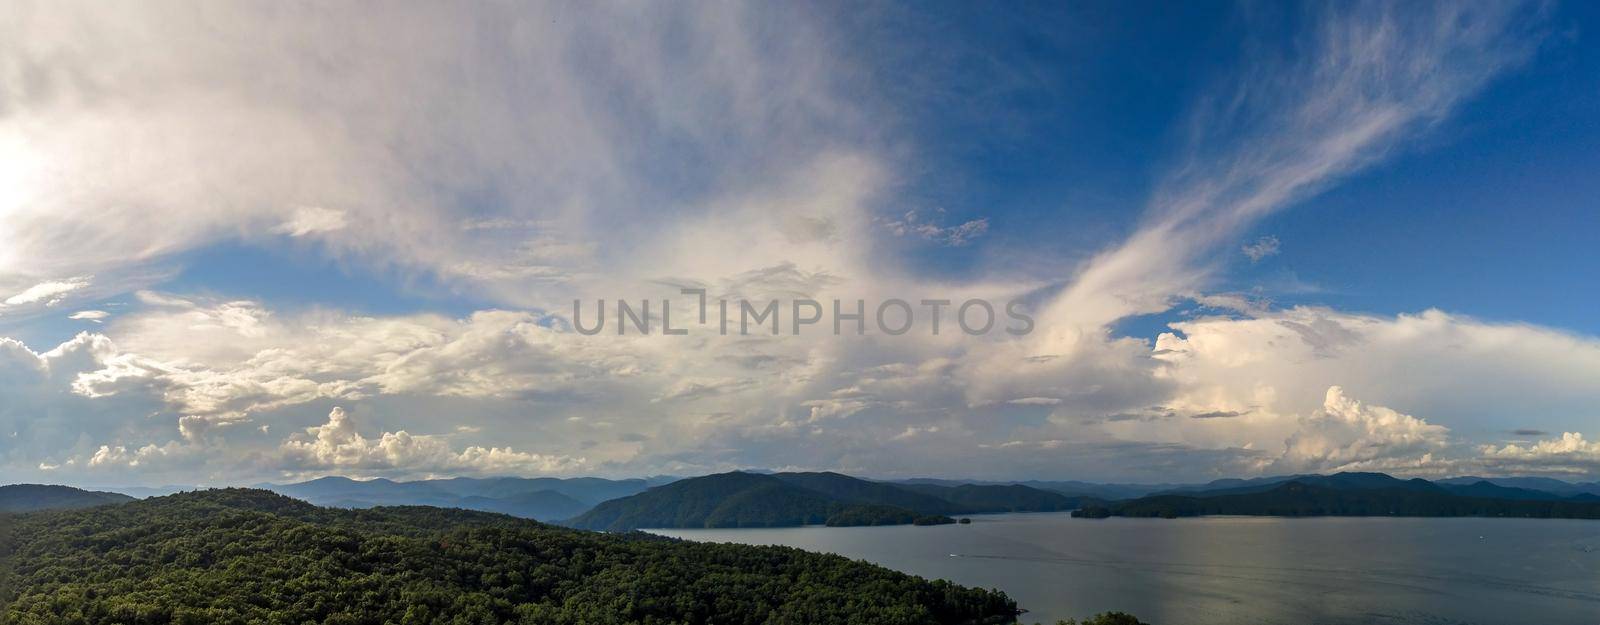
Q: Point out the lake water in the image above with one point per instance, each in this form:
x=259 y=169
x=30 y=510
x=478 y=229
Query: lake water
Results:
x=1232 y=570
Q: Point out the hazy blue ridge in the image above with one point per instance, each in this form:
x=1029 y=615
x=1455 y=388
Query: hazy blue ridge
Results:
x=35 y=497
x=1357 y=494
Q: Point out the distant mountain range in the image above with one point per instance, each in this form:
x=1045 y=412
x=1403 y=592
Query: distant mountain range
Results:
x=36 y=497
x=739 y=499
x=1542 y=484
x=748 y=499
x=1070 y=488
x=1355 y=494
x=544 y=499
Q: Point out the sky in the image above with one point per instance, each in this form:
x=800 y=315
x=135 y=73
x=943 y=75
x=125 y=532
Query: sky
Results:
x=245 y=242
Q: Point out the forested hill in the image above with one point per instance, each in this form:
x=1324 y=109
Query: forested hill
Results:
x=34 y=497
x=1357 y=494
x=240 y=556
x=722 y=500
x=740 y=499
x=544 y=499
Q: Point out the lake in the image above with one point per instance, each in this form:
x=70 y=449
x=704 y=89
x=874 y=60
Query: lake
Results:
x=1233 y=570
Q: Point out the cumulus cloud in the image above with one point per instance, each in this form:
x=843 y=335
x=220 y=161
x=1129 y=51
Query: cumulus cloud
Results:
x=1431 y=363
x=120 y=457
x=1570 y=454
x=1348 y=435
x=49 y=425
x=337 y=446
x=261 y=362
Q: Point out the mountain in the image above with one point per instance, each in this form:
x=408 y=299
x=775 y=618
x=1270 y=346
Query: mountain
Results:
x=35 y=497
x=1488 y=490
x=544 y=499
x=1230 y=485
x=1543 y=484
x=379 y=491
x=1070 y=488
x=733 y=499
x=1337 y=481
x=846 y=489
x=539 y=504
x=978 y=498
x=1350 y=494
x=1074 y=488
x=252 y=556
x=741 y=499
x=142 y=492
x=588 y=490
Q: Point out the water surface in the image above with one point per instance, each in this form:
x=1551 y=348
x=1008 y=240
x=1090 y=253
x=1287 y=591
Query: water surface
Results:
x=1233 y=570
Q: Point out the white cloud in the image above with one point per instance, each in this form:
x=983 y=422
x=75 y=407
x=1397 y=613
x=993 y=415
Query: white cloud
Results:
x=49 y=293
x=1571 y=454
x=1347 y=435
x=1262 y=248
x=359 y=128
x=311 y=220
x=914 y=432
x=1478 y=374
x=1368 y=78
x=120 y=457
x=95 y=316
x=337 y=446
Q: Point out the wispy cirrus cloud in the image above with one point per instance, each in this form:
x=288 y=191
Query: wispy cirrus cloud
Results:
x=1367 y=77
x=47 y=293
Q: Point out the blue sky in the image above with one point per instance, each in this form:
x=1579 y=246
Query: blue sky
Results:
x=1053 y=122
x=1366 y=230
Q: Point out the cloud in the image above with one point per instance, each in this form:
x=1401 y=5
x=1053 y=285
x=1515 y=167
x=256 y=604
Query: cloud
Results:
x=47 y=424
x=361 y=130
x=914 y=432
x=523 y=184
x=1035 y=401
x=120 y=457
x=1262 y=248
x=912 y=223
x=1431 y=363
x=312 y=219
x=1219 y=414
x=1529 y=432
x=1364 y=80
x=49 y=293
x=95 y=316
x=338 y=447
x=1346 y=435
x=1570 y=454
